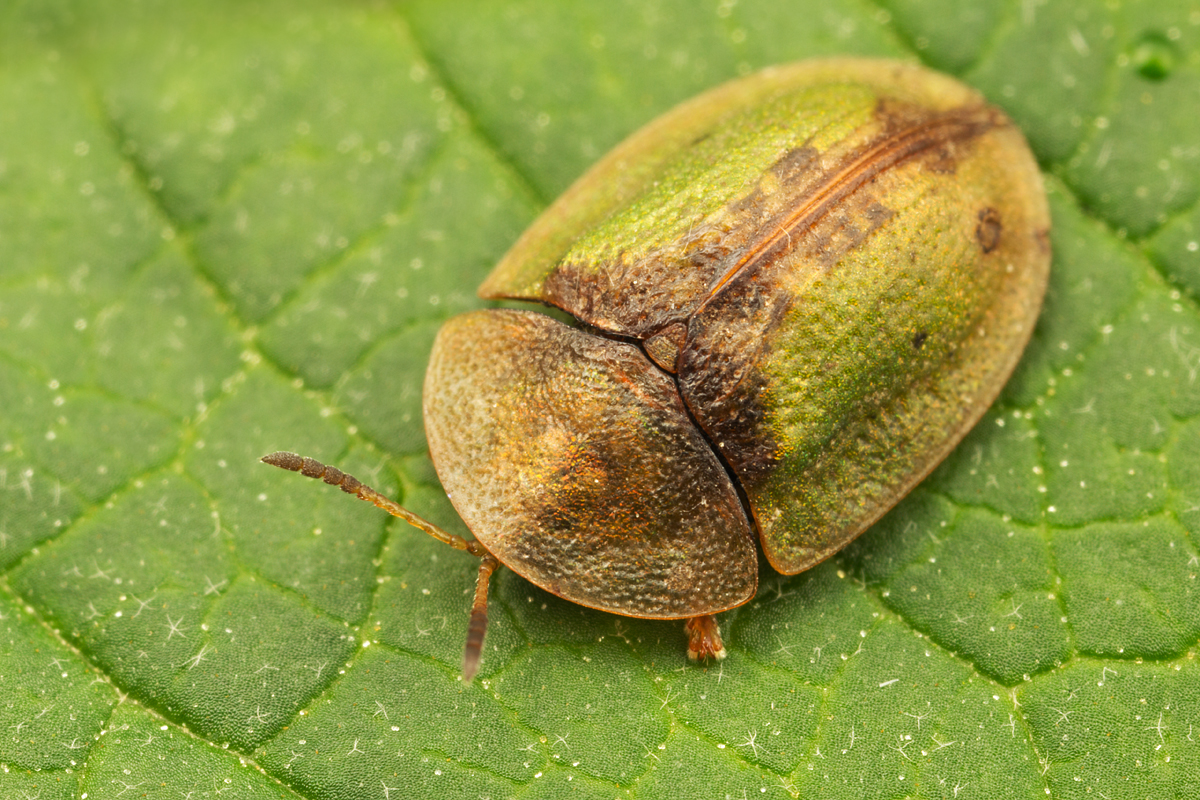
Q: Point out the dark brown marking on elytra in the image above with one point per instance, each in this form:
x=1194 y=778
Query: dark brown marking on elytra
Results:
x=943 y=161
x=724 y=395
x=908 y=132
x=794 y=167
x=752 y=202
x=741 y=437
x=856 y=225
x=647 y=289
x=1043 y=240
x=919 y=339
x=989 y=229
x=796 y=164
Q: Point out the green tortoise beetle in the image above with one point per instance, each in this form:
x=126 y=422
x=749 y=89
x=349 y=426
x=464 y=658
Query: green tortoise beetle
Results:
x=795 y=294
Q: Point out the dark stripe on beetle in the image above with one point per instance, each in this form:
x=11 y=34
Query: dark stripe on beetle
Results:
x=954 y=126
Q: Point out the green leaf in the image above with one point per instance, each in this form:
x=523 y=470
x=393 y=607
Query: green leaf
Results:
x=229 y=228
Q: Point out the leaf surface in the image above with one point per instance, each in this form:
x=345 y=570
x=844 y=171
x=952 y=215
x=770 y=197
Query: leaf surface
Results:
x=228 y=229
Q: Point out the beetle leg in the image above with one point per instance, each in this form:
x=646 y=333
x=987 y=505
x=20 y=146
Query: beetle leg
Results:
x=477 y=627
x=704 y=638
x=350 y=485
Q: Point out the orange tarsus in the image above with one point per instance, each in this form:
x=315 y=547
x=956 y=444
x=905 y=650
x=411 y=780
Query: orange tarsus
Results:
x=704 y=638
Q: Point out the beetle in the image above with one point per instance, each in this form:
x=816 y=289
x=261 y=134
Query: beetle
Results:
x=793 y=296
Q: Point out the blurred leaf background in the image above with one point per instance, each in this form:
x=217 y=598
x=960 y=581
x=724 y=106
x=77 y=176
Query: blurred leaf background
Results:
x=231 y=228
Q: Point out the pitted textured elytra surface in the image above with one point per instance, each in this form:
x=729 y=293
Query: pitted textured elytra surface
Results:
x=231 y=231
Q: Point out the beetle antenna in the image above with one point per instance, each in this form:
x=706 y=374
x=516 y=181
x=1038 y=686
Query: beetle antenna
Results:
x=349 y=484
x=477 y=627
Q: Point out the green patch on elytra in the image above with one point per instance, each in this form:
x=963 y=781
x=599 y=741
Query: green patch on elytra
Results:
x=846 y=387
x=698 y=184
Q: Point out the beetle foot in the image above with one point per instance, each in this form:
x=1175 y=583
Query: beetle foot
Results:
x=704 y=638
